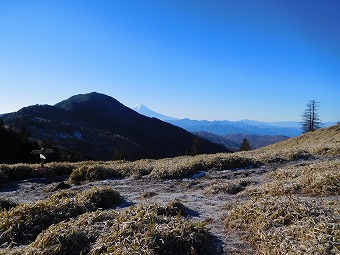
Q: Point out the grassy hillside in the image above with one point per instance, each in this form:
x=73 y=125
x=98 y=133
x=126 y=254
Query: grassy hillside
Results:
x=325 y=141
x=296 y=210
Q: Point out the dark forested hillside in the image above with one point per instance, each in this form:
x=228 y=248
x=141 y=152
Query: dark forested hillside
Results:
x=15 y=147
x=102 y=128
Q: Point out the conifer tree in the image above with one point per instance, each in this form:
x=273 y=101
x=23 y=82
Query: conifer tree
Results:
x=195 y=147
x=245 y=145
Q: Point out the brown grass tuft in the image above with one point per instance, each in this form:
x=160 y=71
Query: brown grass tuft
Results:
x=229 y=187
x=288 y=225
x=23 y=223
x=320 y=178
x=142 y=229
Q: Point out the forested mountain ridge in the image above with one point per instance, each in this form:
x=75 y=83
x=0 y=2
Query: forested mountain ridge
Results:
x=102 y=128
x=15 y=146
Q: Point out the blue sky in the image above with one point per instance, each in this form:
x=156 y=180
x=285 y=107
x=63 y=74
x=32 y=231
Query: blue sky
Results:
x=201 y=59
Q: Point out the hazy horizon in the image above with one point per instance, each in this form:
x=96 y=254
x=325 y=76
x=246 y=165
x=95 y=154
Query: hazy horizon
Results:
x=207 y=60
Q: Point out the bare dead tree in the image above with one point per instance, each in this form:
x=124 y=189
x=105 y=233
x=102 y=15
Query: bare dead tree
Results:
x=310 y=117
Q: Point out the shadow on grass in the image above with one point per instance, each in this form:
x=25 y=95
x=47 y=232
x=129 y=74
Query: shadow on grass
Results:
x=191 y=213
x=213 y=247
x=124 y=204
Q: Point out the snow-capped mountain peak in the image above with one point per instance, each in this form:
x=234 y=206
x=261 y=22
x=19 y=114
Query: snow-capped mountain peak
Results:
x=142 y=109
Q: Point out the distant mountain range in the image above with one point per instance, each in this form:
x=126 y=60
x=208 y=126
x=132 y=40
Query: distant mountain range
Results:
x=102 y=128
x=225 y=127
x=232 y=133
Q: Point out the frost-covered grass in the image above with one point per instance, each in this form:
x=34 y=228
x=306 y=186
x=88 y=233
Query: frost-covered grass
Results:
x=22 y=223
x=295 y=211
x=316 y=178
x=143 y=229
x=288 y=225
x=226 y=186
x=18 y=172
x=322 y=142
x=167 y=168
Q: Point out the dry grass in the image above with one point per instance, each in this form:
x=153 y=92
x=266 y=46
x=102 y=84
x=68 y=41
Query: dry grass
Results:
x=229 y=187
x=288 y=225
x=296 y=210
x=323 y=142
x=151 y=230
x=22 y=224
x=18 y=172
x=94 y=172
x=143 y=229
x=319 y=178
x=167 y=168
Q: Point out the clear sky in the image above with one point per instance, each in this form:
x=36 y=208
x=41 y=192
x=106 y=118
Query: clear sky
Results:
x=201 y=59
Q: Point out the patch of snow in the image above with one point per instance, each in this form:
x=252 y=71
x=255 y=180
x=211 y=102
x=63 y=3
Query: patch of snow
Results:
x=42 y=179
x=111 y=179
x=237 y=169
x=197 y=176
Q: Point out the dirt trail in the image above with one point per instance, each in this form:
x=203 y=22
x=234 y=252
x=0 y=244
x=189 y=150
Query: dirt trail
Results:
x=201 y=205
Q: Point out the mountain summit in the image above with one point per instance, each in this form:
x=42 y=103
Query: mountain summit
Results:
x=102 y=128
x=142 y=109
